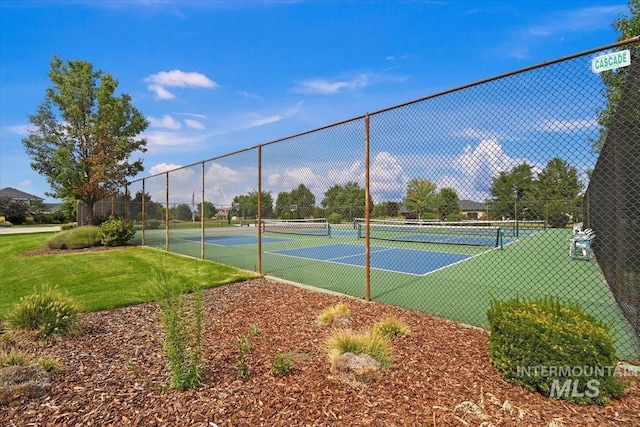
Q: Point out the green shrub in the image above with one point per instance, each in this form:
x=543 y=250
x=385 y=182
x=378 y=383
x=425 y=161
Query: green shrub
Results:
x=334 y=218
x=49 y=312
x=153 y=224
x=544 y=344
x=69 y=226
x=559 y=221
x=76 y=238
x=6 y=224
x=116 y=232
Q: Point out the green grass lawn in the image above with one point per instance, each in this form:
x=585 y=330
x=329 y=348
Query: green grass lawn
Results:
x=98 y=280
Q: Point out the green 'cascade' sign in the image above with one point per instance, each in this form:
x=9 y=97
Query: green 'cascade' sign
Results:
x=611 y=61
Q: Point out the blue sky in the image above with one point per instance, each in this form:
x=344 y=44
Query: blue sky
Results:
x=219 y=76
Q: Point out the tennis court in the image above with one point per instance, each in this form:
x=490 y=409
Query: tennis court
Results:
x=234 y=239
x=397 y=260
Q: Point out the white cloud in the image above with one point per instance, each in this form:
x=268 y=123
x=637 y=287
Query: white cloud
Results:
x=162 y=168
x=25 y=183
x=197 y=116
x=223 y=183
x=193 y=124
x=324 y=87
x=354 y=173
x=23 y=130
x=165 y=122
x=480 y=164
x=165 y=139
x=568 y=125
x=387 y=179
x=159 y=82
x=259 y=120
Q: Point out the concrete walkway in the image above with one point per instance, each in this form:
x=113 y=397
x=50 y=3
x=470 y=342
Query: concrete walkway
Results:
x=22 y=230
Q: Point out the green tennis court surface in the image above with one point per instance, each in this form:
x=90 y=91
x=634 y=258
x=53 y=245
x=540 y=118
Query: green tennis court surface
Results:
x=534 y=265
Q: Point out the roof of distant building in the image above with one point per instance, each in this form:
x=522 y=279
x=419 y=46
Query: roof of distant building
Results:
x=14 y=194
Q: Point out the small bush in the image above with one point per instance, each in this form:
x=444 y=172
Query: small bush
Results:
x=153 y=224
x=282 y=364
x=542 y=344
x=334 y=314
x=375 y=345
x=116 y=232
x=6 y=224
x=334 y=218
x=49 y=312
x=69 y=226
x=390 y=327
x=559 y=221
x=76 y=238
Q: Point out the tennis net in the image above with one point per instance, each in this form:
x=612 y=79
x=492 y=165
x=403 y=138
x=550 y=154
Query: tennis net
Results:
x=312 y=227
x=431 y=233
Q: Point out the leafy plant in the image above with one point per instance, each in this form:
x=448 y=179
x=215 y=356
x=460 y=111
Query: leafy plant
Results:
x=242 y=368
x=282 y=363
x=373 y=344
x=558 y=341
x=255 y=329
x=244 y=344
x=116 y=231
x=49 y=312
x=69 y=226
x=181 y=320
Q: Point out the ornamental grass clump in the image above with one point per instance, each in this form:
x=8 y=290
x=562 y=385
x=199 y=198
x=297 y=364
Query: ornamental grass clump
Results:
x=76 y=238
x=391 y=327
x=375 y=345
x=181 y=313
x=335 y=315
x=554 y=348
x=49 y=312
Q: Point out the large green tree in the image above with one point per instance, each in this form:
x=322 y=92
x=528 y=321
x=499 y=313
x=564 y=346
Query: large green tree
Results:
x=283 y=205
x=510 y=189
x=346 y=200
x=627 y=26
x=421 y=197
x=305 y=201
x=448 y=203
x=248 y=204
x=558 y=188
x=84 y=134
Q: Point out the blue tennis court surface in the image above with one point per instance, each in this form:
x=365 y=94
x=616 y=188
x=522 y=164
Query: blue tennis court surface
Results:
x=398 y=260
x=234 y=239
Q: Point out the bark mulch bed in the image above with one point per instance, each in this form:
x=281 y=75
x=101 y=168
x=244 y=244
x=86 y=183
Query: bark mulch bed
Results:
x=115 y=374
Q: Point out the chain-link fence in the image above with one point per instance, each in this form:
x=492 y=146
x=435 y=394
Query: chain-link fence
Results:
x=437 y=205
x=612 y=200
